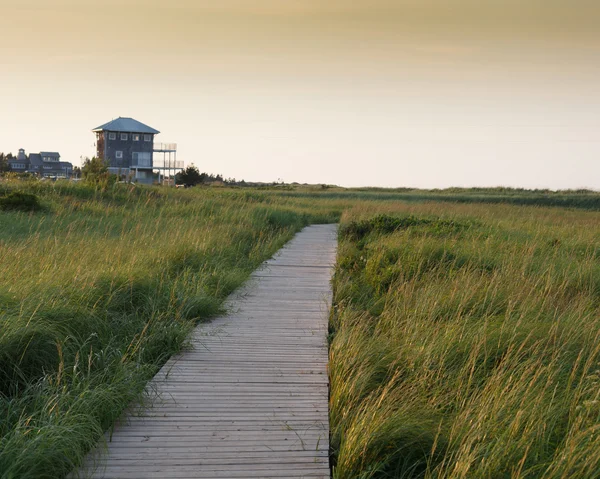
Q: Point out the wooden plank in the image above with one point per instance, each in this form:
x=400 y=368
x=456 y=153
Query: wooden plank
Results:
x=250 y=398
x=136 y=433
x=217 y=456
x=294 y=472
x=146 y=443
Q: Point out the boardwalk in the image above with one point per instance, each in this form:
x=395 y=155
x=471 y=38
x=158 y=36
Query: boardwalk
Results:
x=251 y=399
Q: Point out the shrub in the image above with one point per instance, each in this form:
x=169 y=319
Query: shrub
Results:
x=19 y=201
x=385 y=224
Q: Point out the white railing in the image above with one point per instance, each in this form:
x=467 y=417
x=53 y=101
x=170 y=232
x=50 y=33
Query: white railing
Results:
x=165 y=146
x=166 y=164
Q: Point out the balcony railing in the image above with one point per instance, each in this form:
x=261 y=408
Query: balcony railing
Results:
x=166 y=147
x=165 y=164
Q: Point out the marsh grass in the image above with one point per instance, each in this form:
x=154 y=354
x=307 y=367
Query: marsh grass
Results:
x=464 y=336
x=469 y=351
x=98 y=289
x=573 y=199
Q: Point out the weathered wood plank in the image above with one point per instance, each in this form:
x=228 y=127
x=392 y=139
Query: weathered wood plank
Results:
x=250 y=399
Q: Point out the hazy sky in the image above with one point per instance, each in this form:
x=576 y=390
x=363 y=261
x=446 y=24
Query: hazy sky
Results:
x=427 y=93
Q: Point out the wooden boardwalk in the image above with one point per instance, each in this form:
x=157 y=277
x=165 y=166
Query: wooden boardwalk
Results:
x=250 y=400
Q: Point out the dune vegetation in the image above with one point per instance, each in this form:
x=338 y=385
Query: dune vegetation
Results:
x=464 y=334
x=466 y=342
x=98 y=289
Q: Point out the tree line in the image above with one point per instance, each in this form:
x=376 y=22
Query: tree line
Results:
x=191 y=176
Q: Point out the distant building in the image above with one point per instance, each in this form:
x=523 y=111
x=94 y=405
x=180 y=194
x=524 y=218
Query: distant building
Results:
x=44 y=164
x=128 y=146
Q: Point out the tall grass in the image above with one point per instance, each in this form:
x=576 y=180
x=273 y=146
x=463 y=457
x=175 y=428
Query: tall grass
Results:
x=99 y=289
x=575 y=199
x=464 y=336
x=466 y=343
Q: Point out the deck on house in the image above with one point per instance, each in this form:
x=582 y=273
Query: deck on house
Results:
x=250 y=399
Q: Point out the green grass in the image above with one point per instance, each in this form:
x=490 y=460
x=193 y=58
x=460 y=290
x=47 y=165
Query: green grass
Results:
x=574 y=199
x=464 y=331
x=466 y=343
x=99 y=289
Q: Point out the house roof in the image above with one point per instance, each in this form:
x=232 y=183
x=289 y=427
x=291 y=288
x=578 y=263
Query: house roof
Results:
x=52 y=154
x=16 y=160
x=35 y=159
x=126 y=125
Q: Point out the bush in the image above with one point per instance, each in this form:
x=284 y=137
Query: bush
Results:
x=18 y=201
x=384 y=224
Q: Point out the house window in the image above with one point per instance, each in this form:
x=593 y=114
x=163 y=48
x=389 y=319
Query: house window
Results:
x=124 y=136
x=147 y=137
x=142 y=159
x=119 y=155
x=47 y=167
x=136 y=137
x=112 y=136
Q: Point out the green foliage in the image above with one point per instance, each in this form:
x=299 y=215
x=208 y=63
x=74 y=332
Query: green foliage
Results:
x=191 y=176
x=386 y=224
x=464 y=343
x=20 y=201
x=464 y=334
x=4 y=166
x=96 y=296
x=95 y=172
x=579 y=199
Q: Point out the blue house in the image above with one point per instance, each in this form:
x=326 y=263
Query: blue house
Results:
x=127 y=145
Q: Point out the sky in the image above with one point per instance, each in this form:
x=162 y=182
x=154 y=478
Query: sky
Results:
x=418 y=93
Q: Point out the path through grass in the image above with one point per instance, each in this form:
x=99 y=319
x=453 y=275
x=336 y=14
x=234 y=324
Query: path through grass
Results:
x=464 y=340
x=98 y=290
